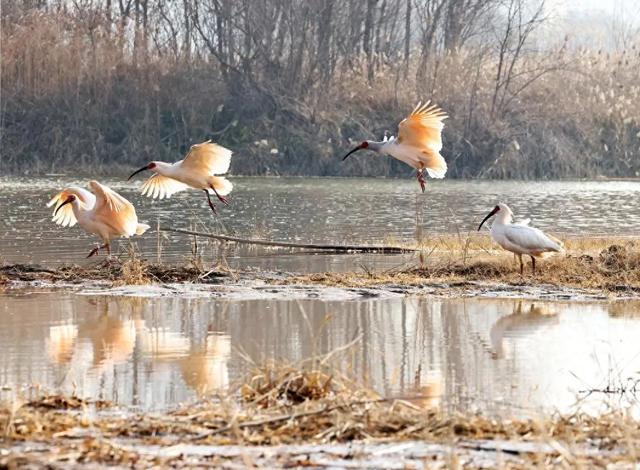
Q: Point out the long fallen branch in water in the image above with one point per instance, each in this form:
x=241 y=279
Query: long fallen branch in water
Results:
x=312 y=246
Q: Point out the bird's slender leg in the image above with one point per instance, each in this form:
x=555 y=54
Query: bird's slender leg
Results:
x=533 y=264
x=98 y=248
x=421 y=180
x=213 y=207
x=222 y=199
x=521 y=265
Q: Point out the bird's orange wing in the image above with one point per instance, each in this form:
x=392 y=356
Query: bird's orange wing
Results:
x=114 y=210
x=64 y=216
x=159 y=186
x=210 y=158
x=423 y=128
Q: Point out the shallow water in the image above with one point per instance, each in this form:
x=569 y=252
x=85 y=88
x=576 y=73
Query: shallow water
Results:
x=512 y=356
x=515 y=357
x=329 y=210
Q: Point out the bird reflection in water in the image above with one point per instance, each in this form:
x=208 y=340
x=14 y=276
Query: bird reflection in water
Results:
x=203 y=367
x=521 y=322
x=109 y=338
x=112 y=337
x=61 y=343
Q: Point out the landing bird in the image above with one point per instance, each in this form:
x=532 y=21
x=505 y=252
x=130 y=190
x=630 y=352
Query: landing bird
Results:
x=519 y=238
x=196 y=170
x=418 y=144
x=100 y=211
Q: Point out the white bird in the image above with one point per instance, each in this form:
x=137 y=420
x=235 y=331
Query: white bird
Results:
x=519 y=238
x=100 y=211
x=418 y=144
x=196 y=170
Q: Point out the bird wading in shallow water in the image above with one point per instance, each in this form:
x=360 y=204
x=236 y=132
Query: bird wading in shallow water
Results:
x=100 y=211
x=197 y=170
x=418 y=143
x=519 y=238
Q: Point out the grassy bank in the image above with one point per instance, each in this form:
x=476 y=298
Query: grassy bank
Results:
x=607 y=265
x=604 y=264
x=300 y=405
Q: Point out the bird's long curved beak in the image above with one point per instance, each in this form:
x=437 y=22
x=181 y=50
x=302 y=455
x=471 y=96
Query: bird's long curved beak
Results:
x=137 y=171
x=68 y=201
x=353 y=151
x=495 y=209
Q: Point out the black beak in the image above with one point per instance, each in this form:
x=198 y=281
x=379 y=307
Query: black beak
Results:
x=495 y=209
x=63 y=204
x=136 y=172
x=353 y=151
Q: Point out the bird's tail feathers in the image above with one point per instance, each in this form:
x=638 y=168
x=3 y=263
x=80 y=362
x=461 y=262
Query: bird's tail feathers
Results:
x=438 y=167
x=222 y=185
x=141 y=228
x=558 y=242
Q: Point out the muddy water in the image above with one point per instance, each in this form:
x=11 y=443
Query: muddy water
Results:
x=500 y=356
x=313 y=210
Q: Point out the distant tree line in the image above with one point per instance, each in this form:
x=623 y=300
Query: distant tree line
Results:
x=287 y=84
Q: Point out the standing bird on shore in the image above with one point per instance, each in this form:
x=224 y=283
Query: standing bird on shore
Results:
x=100 y=211
x=418 y=143
x=519 y=238
x=196 y=170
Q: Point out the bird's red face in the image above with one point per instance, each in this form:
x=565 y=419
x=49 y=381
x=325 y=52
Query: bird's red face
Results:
x=150 y=166
x=489 y=215
x=364 y=145
x=70 y=198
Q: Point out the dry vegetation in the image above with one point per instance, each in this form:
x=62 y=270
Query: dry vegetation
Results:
x=287 y=405
x=606 y=265
x=131 y=271
x=94 y=83
x=609 y=265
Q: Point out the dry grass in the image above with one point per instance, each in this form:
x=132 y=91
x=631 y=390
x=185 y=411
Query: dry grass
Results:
x=75 y=94
x=130 y=271
x=609 y=264
x=303 y=406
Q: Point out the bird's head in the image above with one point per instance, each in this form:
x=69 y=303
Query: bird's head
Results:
x=68 y=198
x=149 y=166
x=499 y=208
x=364 y=145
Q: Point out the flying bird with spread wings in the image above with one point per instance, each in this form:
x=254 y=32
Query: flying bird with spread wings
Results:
x=100 y=211
x=197 y=170
x=418 y=143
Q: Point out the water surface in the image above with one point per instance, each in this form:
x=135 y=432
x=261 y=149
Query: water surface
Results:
x=322 y=210
x=499 y=356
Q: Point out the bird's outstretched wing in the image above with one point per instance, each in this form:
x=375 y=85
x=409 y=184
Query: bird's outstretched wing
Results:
x=530 y=238
x=421 y=131
x=210 y=158
x=64 y=216
x=159 y=186
x=113 y=209
x=423 y=127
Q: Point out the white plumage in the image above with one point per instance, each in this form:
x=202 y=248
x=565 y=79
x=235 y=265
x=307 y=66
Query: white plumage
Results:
x=197 y=170
x=418 y=144
x=101 y=211
x=519 y=238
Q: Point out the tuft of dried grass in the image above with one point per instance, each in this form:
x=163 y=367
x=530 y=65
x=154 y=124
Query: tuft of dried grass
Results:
x=288 y=385
x=134 y=270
